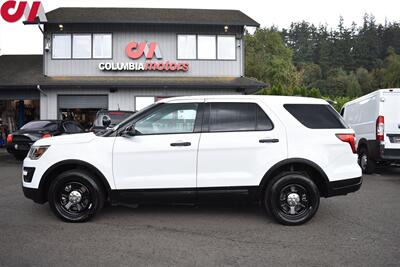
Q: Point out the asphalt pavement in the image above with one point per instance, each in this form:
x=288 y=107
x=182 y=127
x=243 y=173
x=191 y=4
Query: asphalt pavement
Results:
x=360 y=229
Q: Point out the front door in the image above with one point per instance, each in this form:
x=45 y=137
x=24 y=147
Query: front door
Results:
x=163 y=153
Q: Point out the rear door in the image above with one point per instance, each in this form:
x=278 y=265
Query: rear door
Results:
x=240 y=140
x=391 y=112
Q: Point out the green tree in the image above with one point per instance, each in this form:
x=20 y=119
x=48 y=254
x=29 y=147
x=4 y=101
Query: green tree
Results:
x=310 y=73
x=391 y=70
x=269 y=60
x=365 y=79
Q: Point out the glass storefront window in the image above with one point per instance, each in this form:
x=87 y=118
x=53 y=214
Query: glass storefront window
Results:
x=226 y=47
x=206 y=47
x=62 y=46
x=82 y=46
x=186 y=46
x=102 y=46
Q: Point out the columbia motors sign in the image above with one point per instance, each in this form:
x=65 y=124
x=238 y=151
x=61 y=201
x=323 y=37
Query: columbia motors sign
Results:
x=148 y=51
x=13 y=11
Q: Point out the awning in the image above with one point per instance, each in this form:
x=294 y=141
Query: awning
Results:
x=25 y=71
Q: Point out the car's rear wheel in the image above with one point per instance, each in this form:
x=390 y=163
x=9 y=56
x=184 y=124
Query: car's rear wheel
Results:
x=75 y=196
x=292 y=198
x=367 y=165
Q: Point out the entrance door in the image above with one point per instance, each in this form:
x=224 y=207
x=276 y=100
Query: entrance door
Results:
x=163 y=152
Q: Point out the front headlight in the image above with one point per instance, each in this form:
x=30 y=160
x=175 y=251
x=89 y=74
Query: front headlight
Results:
x=37 y=151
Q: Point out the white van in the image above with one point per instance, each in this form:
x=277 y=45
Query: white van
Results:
x=375 y=119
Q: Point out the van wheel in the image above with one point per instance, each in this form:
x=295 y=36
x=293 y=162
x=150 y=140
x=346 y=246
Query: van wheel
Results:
x=292 y=198
x=366 y=163
x=75 y=196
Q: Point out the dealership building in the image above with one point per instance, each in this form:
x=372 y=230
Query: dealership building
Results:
x=124 y=59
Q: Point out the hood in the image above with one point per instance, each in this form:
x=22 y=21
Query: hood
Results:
x=66 y=139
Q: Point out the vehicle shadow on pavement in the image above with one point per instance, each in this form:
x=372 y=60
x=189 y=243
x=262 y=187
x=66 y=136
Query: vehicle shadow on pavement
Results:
x=392 y=171
x=248 y=210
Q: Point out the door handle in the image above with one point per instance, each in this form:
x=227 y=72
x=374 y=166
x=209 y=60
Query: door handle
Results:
x=269 y=140
x=181 y=144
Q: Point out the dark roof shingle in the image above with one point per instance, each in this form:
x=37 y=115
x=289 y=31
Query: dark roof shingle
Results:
x=150 y=16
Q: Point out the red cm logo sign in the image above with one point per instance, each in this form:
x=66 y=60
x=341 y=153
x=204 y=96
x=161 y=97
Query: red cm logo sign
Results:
x=136 y=50
x=12 y=13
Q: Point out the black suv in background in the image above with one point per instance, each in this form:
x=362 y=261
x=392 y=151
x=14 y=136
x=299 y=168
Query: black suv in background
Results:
x=19 y=142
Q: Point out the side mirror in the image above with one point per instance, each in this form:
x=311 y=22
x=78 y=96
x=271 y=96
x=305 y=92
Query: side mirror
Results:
x=129 y=131
x=106 y=121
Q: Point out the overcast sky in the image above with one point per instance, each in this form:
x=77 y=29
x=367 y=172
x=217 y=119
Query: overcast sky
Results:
x=16 y=38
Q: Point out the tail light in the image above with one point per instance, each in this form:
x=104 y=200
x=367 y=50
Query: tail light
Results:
x=47 y=135
x=380 y=128
x=349 y=138
x=9 y=139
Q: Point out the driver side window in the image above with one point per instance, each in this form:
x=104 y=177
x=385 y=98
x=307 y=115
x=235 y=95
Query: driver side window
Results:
x=169 y=119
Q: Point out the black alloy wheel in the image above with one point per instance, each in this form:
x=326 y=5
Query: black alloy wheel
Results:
x=292 y=198
x=75 y=196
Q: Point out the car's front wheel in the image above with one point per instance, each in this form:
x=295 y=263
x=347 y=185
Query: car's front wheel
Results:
x=292 y=198
x=75 y=196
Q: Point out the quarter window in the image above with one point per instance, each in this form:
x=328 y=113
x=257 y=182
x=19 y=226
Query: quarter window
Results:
x=316 y=116
x=226 y=47
x=169 y=119
x=232 y=117
x=82 y=46
x=206 y=47
x=62 y=46
x=102 y=46
x=186 y=46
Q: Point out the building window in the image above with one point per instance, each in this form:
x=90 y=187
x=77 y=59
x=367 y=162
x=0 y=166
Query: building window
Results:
x=62 y=46
x=186 y=46
x=206 y=47
x=102 y=46
x=227 y=47
x=81 y=46
x=143 y=101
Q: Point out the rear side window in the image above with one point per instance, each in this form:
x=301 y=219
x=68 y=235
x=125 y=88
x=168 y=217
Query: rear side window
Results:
x=232 y=117
x=316 y=116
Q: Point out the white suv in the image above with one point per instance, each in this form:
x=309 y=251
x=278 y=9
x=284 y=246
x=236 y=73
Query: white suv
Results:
x=285 y=152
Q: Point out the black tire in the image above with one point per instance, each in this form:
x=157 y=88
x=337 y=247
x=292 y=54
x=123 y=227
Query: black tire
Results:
x=367 y=165
x=65 y=190
x=291 y=198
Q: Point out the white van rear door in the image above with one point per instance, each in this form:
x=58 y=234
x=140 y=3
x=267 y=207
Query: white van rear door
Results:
x=391 y=112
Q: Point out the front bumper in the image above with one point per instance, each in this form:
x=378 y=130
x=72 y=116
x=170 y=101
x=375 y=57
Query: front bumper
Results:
x=343 y=187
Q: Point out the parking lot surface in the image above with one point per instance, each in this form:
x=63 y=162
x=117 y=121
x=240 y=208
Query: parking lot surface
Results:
x=360 y=229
